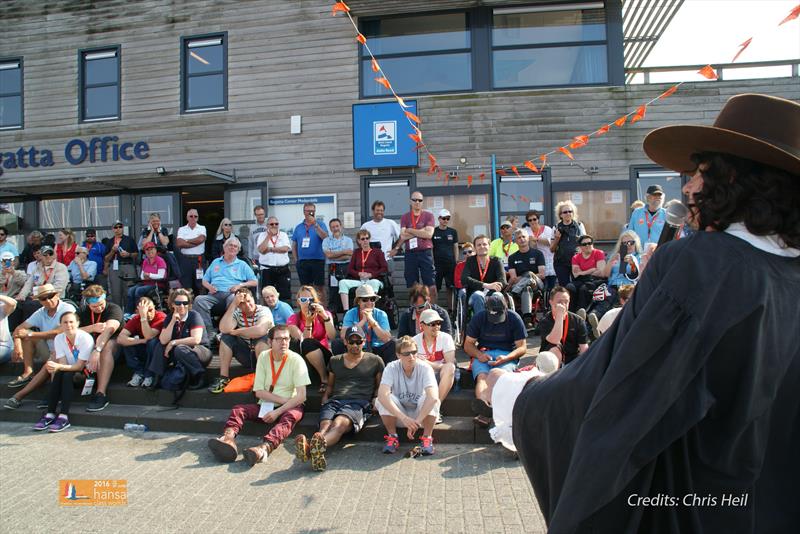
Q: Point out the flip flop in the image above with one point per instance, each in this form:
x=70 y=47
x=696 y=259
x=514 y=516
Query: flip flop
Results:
x=482 y=421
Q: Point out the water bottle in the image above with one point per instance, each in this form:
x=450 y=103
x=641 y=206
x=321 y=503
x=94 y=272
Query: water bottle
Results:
x=457 y=381
x=134 y=428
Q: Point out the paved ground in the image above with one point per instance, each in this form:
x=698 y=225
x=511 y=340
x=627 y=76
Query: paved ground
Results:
x=175 y=486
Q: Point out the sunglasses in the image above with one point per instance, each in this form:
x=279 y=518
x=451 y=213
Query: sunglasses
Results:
x=566 y=211
x=586 y=243
x=629 y=243
x=532 y=219
x=355 y=341
x=363 y=238
x=369 y=299
x=416 y=200
x=181 y=303
x=7 y=263
x=421 y=306
x=408 y=353
x=192 y=216
x=226 y=224
x=90 y=236
x=469 y=252
x=46 y=297
x=274 y=224
x=117 y=226
x=303 y=300
x=445 y=218
x=435 y=323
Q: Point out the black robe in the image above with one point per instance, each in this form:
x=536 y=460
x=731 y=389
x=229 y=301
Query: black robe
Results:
x=694 y=392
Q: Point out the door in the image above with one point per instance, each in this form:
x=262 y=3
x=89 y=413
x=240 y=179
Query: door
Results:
x=469 y=207
x=165 y=204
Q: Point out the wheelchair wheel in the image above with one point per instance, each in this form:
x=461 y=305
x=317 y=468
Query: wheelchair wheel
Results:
x=391 y=309
x=459 y=322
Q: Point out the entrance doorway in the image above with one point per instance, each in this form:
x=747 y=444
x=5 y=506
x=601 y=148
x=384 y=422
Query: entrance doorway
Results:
x=209 y=201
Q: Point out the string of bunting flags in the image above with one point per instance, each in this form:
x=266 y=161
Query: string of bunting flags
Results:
x=576 y=143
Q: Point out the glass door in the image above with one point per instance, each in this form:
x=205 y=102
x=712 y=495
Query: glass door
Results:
x=166 y=205
x=469 y=207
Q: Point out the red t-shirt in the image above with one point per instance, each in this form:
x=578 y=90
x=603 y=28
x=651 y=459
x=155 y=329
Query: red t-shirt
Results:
x=134 y=324
x=584 y=264
x=457 y=274
x=425 y=219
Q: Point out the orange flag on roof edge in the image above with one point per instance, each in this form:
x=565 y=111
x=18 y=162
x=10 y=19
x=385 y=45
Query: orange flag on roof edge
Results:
x=481 y=176
x=514 y=168
x=531 y=166
x=604 y=129
x=639 y=115
x=566 y=152
x=742 y=48
x=361 y=39
x=384 y=82
x=668 y=92
x=469 y=180
x=581 y=140
x=793 y=14
x=340 y=6
x=375 y=67
x=708 y=72
x=543 y=159
x=524 y=198
x=620 y=122
x=415 y=138
x=501 y=172
x=412 y=117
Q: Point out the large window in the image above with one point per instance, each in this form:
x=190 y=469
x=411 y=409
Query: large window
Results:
x=670 y=181
x=484 y=49
x=419 y=54
x=604 y=210
x=549 y=45
x=394 y=192
x=239 y=206
x=78 y=214
x=100 y=84
x=10 y=94
x=519 y=194
x=204 y=72
x=12 y=218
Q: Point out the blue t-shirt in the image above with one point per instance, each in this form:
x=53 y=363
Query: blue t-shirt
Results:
x=497 y=336
x=617 y=278
x=43 y=321
x=75 y=273
x=638 y=223
x=97 y=254
x=314 y=249
x=332 y=244
x=224 y=275
x=351 y=317
x=281 y=312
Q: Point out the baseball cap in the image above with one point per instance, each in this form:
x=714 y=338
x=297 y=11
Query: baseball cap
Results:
x=496 y=308
x=354 y=331
x=506 y=223
x=444 y=213
x=148 y=245
x=655 y=189
x=45 y=249
x=429 y=316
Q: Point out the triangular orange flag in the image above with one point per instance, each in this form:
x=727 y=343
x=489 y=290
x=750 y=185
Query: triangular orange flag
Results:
x=375 y=67
x=531 y=166
x=566 y=152
x=793 y=14
x=413 y=117
x=401 y=102
x=741 y=49
x=384 y=82
x=639 y=115
x=481 y=176
x=513 y=197
x=620 y=122
x=340 y=6
x=514 y=168
x=708 y=72
x=416 y=138
x=501 y=172
x=469 y=180
x=579 y=141
x=361 y=39
x=668 y=92
x=603 y=130
x=543 y=159
x=433 y=159
x=524 y=198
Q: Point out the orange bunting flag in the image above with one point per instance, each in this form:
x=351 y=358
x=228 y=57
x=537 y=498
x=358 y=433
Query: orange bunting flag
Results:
x=420 y=145
x=361 y=39
x=501 y=172
x=384 y=82
x=741 y=49
x=481 y=176
x=566 y=152
x=620 y=122
x=531 y=166
x=581 y=140
x=524 y=198
x=793 y=14
x=603 y=130
x=401 y=102
x=668 y=92
x=469 y=180
x=514 y=168
x=708 y=72
x=416 y=138
x=413 y=117
x=375 y=67
x=639 y=115
x=340 y=6
x=513 y=197
x=433 y=160
x=543 y=159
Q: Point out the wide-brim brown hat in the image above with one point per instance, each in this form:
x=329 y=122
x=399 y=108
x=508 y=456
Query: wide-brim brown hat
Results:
x=762 y=128
x=45 y=290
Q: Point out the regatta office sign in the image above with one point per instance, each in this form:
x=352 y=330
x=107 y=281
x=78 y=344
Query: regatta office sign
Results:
x=76 y=151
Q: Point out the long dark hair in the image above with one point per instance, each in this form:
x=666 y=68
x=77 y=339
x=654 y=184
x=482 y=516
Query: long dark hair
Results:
x=763 y=198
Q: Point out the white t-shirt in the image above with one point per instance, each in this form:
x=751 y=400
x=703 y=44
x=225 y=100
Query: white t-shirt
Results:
x=387 y=232
x=408 y=389
x=444 y=343
x=184 y=232
x=5 y=335
x=45 y=322
x=274 y=259
x=608 y=319
x=547 y=233
x=84 y=343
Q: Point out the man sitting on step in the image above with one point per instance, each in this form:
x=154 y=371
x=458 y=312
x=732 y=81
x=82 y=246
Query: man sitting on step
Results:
x=280 y=386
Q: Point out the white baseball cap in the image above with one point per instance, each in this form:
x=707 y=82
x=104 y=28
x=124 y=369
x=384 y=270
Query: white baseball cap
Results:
x=444 y=213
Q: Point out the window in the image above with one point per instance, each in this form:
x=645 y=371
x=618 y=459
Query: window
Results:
x=12 y=219
x=78 y=214
x=470 y=208
x=393 y=192
x=603 y=209
x=643 y=177
x=239 y=206
x=99 y=84
x=10 y=94
x=520 y=194
x=549 y=45
x=419 y=54
x=204 y=72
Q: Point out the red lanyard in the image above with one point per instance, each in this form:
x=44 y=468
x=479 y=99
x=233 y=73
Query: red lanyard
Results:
x=92 y=314
x=47 y=274
x=506 y=248
x=429 y=354
x=649 y=221
x=364 y=258
x=274 y=241
x=308 y=228
x=537 y=234
x=415 y=221
x=482 y=272
x=179 y=324
x=276 y=376
x=245 y=321
x=565 y=326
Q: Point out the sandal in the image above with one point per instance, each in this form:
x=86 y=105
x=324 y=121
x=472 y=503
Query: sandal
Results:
x=323 y=387
x=482 y=421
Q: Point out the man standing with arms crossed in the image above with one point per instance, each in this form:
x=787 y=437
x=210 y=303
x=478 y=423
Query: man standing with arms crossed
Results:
x=191 y=242
x=416 y=231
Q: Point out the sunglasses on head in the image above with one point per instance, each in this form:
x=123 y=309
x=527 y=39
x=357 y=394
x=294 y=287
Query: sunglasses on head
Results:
x=181 y=303
x=434 y=323
x=408 y=353
x=369 y=299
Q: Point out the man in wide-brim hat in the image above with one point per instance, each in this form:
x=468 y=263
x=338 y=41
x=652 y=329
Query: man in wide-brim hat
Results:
x=684 y=416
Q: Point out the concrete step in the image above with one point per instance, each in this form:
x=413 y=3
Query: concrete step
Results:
x=211 y=421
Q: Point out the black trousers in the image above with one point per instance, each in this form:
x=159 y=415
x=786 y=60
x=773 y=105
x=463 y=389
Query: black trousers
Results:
x=280 y=278
x=60 y=390
x=194 y=359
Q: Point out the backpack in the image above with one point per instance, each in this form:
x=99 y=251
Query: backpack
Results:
x=175 y=378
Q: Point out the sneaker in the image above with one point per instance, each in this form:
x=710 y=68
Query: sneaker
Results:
x=391 y=445
x=98 y=403
x=147 y=382
x=61 y=423
x=219 y=383
x=301 y=448
x=256 y=455
x=317 y=452
x=44 y=422
x=224 y=449
x=136 y=381
x=127 y=317
x=592 y=318
x=20 y=381
x=426 y=446
x=12 y=404
x=581 y=313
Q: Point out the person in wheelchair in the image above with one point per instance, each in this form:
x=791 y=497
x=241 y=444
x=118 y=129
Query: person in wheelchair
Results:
x=82 y=272
x=482 y=274
x=588 y=267
x=366 y=266
x=419 y=296
x=526 y=269
x=154 y=272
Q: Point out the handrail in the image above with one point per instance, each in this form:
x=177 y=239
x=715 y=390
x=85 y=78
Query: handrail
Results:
x=719 y=67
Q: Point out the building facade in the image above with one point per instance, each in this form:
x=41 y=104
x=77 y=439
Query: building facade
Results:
x=114 y=109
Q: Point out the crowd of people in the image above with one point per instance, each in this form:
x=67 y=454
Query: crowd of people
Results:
x=167 y=303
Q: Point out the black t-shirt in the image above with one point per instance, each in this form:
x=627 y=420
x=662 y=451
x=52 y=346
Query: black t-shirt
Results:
x=522 y=262
x=576 y=335
x=184 y=329
x=111 y=312
x=126 y=243
x=568 y=244
x=443 y=241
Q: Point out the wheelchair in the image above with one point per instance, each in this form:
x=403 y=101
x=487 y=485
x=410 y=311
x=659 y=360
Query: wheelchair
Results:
x=159 y=292
x=463 y=313
x=387 y=302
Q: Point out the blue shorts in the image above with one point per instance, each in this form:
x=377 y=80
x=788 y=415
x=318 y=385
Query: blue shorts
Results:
x=358 y=411
x=479 y=367
x=419 y=268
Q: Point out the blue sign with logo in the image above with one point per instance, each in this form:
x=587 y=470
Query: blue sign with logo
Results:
x=380 y=136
